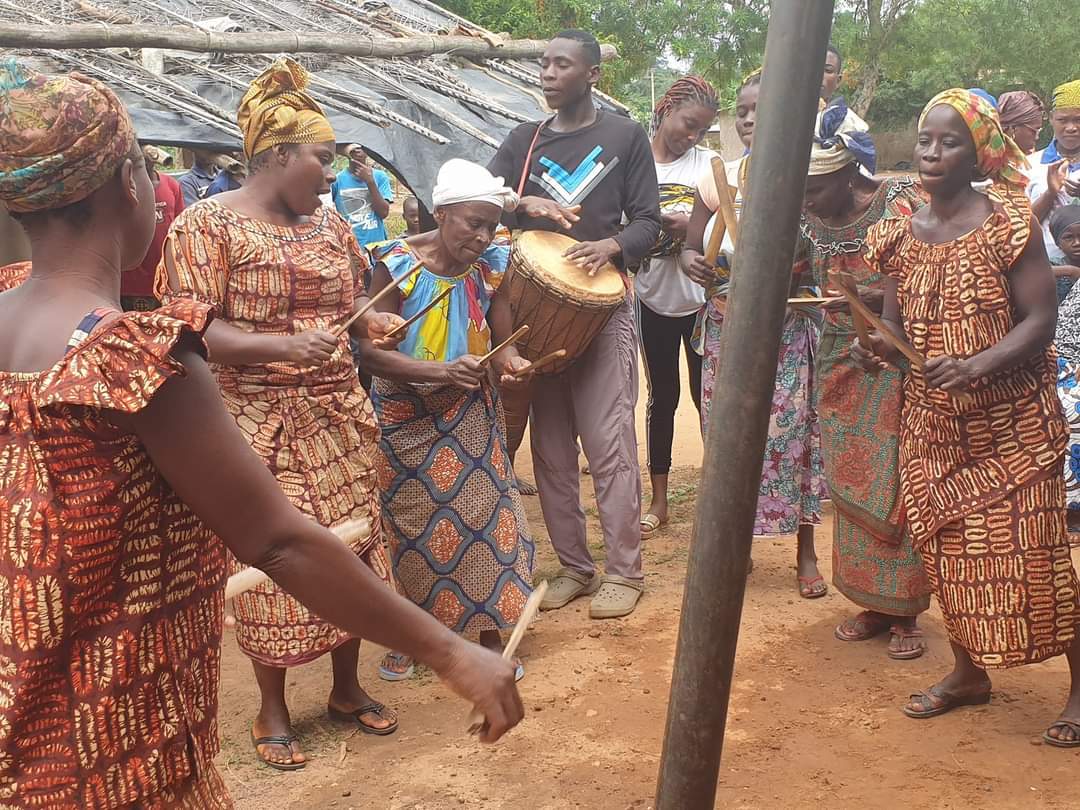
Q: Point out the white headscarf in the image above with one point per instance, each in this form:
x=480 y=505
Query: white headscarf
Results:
x=464 y=181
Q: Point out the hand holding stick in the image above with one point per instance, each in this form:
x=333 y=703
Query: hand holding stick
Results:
x=547 y=359
x=427 y=308
x=528 y=613
x=859 y=310
x=517 y=334
x=393 y=285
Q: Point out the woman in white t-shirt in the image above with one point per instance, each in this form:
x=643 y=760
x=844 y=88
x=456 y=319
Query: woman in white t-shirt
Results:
x=668 y=302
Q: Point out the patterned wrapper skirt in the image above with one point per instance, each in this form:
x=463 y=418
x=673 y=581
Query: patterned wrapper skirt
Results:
x=792 y=478
x=322 y=449
x=1005 y=580
x=875 y=563
x=458 y=535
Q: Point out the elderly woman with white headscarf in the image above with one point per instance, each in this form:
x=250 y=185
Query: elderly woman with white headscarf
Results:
x=874 y=562
x=459 y=539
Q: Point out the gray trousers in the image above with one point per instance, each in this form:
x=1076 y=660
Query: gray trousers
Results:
x=594 y=399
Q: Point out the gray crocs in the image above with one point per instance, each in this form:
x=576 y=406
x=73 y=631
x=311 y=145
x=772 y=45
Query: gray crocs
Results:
x=566 y=586
x=618 y=596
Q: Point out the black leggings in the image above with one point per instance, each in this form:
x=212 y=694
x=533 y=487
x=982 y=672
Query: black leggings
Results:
x=660 y=338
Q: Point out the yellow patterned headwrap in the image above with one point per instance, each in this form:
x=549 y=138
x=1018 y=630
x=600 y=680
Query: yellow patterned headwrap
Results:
x=1067 y=96
x=998 y=156
x=276 y=110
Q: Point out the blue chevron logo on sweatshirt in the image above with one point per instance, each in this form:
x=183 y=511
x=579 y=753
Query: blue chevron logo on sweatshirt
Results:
x=571 y=187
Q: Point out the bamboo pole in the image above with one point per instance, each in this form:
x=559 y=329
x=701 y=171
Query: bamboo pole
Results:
x=735 y=445
x=182 y=38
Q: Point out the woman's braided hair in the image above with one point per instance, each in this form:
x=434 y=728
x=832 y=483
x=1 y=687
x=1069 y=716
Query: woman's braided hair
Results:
x=687 y=90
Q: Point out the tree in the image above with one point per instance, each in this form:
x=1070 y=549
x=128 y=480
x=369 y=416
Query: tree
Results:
x=640 y=29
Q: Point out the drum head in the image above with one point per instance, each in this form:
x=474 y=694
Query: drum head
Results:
x=543 y=252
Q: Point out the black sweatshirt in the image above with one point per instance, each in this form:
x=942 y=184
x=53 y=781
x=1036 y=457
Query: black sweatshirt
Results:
x=606 y=167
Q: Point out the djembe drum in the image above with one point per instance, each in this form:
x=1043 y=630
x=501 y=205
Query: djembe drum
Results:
x=564 y=307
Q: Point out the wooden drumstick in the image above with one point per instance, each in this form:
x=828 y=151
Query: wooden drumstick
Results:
x=727 y=202
x=249 y=578
x=716 y=239
x=528 y=613
x=848 y=288
x=517 y=333
x=547 y=359
x=393 y=285
x=815 y=301
x=427 y=308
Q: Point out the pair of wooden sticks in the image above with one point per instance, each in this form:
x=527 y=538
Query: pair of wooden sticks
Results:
x=729 y=222
x=547 y=359
x=862 y=315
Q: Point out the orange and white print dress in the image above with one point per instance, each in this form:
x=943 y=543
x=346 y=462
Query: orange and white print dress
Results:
x=981 y=481
x=314 y=428
x=111 y=589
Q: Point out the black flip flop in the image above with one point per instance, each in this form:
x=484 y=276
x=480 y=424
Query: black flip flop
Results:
x=355 y=715
x=948 y=703
x=1072 y=725
x=285 y=740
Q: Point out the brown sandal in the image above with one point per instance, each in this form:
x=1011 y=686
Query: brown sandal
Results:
x=940 y=702
x=283 y=740
x=900 y=633
x=375 y=708
x=1071 y=725
x=862 y=627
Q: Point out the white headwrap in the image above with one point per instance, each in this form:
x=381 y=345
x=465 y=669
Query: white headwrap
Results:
x=464 y=181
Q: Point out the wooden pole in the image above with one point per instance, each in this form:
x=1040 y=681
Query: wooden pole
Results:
x=735 y=447
x=182 y=38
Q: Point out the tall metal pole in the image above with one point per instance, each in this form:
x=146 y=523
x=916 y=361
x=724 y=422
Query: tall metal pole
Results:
x=734 y=452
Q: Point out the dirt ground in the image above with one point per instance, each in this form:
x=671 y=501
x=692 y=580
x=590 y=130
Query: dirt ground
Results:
x=813 y=722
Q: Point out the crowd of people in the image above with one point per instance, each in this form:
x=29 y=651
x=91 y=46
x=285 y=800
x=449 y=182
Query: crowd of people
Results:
x=206 y=415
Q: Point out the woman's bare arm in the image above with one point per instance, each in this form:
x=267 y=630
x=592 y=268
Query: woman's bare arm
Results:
x=198 y=449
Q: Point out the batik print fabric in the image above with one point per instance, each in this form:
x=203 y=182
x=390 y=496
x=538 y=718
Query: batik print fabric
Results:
x=981 y=480
x=458 y=534
x=875 y=564
x=111 y=590
x=12 y=275
x=314 y=428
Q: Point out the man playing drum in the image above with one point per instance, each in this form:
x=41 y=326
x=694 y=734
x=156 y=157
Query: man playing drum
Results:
x=583 y=171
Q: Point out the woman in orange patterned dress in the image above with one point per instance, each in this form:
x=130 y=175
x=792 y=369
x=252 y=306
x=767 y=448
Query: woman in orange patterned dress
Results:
x=982 y=434
x=283 y=272
x=119 y=471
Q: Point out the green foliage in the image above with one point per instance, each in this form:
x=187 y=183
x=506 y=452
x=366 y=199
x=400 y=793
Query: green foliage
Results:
x=897 y=53
x=999 y=45
x=640 y=29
